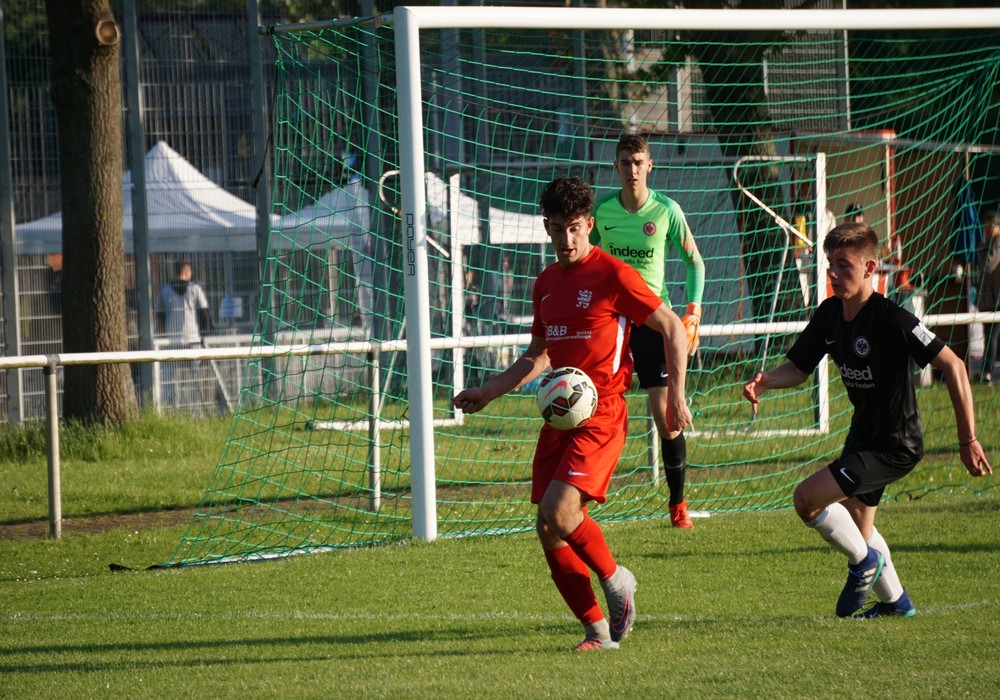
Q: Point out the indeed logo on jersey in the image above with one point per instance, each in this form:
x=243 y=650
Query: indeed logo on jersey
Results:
x=636 y=257
x=857 y=378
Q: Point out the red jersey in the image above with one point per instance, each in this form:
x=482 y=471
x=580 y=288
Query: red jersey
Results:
x=583 y=311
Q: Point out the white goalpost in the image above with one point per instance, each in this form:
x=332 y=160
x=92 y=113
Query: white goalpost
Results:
x=410 y=149
x=408 y=21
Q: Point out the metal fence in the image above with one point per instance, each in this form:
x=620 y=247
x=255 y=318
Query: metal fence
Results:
x=196 y=72
x=191 y=378
x=198 y=94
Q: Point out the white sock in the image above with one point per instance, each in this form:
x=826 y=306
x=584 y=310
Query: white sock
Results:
x=598 y=630
x=887 y=587
x=836 y=526
x=615 y=581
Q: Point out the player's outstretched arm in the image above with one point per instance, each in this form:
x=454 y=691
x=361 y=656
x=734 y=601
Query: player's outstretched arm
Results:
x=675 y=350
x=695 y=287
x=529 y=365
x=778 y=378
x=955 y=378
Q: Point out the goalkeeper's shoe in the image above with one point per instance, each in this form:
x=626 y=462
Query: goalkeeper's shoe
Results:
x=860 y=578
x=901 y=608
x=679 y=516
x=596 y=644
x=621 y=606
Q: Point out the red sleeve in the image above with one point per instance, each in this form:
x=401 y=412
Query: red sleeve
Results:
x=637 y=301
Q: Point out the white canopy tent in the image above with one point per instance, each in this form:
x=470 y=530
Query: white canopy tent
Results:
x=187 y=213
x=340 y=218
x=505 y=227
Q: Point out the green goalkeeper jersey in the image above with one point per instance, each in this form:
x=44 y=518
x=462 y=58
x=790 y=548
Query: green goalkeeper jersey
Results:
x=642 y=239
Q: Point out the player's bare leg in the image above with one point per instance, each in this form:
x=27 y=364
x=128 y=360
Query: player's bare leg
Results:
x=818 y=504
x=563 y=519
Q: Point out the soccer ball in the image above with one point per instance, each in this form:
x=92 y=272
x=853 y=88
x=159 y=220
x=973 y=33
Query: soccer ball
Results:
x=566 y=398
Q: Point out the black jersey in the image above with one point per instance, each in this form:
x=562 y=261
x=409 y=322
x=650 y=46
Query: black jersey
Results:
x=875 y=354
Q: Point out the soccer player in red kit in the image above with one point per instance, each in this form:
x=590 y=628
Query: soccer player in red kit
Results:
x=583 y=307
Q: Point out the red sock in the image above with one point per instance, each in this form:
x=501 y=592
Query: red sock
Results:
x=572 y=579
x=589 y=544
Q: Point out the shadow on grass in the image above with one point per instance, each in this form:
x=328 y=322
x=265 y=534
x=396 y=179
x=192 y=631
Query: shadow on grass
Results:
x=426 y=642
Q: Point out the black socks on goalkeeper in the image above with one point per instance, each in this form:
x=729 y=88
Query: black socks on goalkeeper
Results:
x=674 y=464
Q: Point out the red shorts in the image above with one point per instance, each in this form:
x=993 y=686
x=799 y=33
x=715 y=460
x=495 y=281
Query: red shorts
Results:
x=585 y=457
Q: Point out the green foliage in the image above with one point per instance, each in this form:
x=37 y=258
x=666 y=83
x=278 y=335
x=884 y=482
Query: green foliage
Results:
x=179 y=434
x=19 y=441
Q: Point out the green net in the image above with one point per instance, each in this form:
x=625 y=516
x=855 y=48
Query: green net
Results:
x=752 y=134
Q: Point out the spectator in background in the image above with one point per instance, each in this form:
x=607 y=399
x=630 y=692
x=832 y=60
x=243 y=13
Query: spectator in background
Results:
x=989 y=292
x=182 y=309
x=182 y=315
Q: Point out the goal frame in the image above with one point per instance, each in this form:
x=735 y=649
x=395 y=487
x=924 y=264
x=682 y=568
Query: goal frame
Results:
x=407 y=23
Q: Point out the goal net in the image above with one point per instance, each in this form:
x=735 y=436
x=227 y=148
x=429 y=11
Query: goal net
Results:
x=409 y=152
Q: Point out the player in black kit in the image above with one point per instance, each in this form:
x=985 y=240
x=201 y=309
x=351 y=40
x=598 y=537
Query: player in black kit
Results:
x=874 y=343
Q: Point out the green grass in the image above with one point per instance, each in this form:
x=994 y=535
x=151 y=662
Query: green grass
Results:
x=163 y=463
x=740 y=607
x=153 y=464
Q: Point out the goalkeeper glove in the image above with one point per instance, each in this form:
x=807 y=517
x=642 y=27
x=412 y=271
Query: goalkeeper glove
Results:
x=692 y=321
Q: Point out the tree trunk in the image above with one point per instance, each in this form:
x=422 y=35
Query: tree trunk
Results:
x=86 y=91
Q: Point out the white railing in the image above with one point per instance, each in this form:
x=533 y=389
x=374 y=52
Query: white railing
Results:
x=51 y=363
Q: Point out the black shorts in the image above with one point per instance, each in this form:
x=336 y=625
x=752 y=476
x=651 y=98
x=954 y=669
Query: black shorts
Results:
x=647 y=353
x=865 y=475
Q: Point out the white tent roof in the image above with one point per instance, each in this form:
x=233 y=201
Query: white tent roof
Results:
x=505 y=226
x=337 y=216
x=514 y=227
x=342 y=217
x=187 y=212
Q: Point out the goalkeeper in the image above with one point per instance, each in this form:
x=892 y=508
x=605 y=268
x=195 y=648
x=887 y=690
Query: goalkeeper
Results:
x=639 y=225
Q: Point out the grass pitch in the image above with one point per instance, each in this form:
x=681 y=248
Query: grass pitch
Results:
x=742 y=606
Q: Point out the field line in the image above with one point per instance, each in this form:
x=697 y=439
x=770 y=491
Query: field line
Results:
x=388 y=617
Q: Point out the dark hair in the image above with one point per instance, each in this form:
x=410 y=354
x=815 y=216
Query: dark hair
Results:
x=179 y=266
x=852 y=234
x=633 y=143
x=853 y=208
x=570 y=196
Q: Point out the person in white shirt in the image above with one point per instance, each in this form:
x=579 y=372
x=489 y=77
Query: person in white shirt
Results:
x=182 y=315
x=182 y=308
